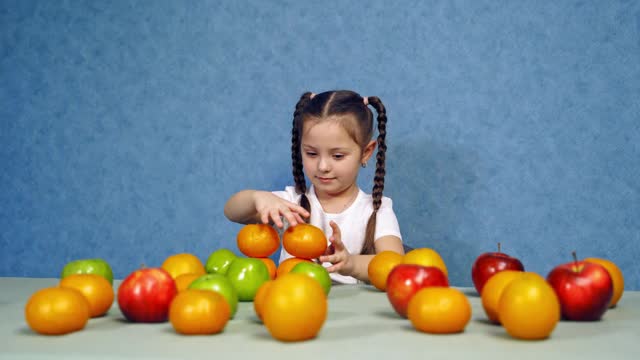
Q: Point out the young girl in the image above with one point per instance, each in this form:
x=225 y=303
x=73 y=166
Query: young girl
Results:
x=331 y=140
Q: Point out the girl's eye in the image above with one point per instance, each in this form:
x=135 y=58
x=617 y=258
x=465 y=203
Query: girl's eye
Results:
x=310 y=153
x=338 y=156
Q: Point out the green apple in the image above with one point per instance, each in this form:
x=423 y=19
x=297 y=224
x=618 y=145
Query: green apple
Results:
x=219 y=261
x=220 y=284
x=246 y=275
x=88 y=266
x=315 y=271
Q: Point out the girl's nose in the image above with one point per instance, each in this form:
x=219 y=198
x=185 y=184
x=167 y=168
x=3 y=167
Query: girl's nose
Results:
x=323 y=164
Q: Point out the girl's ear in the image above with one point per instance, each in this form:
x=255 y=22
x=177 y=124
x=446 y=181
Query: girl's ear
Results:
x=368 y=151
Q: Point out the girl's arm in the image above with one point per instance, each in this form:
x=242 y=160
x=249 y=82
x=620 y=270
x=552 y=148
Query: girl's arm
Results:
x=251 y=206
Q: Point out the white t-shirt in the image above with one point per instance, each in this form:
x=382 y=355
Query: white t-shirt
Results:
x=352 y=222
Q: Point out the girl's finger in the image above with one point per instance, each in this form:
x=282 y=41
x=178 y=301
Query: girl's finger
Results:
x=275 y=215
x=298 y=218
x=264 y=217
x=290 y=218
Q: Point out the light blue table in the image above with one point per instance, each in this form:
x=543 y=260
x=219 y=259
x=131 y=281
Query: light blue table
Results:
x=361 y=325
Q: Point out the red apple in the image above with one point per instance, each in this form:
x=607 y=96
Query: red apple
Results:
x=583 y=288
x=491 y=263
x=146 y=294
x=406 y=279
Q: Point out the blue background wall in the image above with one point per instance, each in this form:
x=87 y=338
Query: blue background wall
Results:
x=125 y=126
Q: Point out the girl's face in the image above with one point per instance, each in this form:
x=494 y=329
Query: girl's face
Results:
x=330 y=157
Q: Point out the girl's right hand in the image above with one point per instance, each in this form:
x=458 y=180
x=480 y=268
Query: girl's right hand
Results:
x=271 y=207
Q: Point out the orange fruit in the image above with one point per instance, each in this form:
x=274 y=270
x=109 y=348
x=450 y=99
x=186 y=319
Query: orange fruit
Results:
x=198 y=312
x=439 y=310
x=425 y=257
x=183 y=263
x=261 y=297
x=494 y=287
x=258 y=240
x=380 y=267
x=287 y=265
x=616 y=278
x=271 y=266
x=295 y=308
x=95 y=288
x=56 y=311
x=184 y=280
x=304 y=241
x=529 y=308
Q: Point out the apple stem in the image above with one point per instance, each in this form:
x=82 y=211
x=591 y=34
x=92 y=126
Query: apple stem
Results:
x=498 y=247
x=575 y=258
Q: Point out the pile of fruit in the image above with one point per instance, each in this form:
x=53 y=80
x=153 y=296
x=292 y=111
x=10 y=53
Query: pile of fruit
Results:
x=292 y=299
x=526 y=304
x=197 y=298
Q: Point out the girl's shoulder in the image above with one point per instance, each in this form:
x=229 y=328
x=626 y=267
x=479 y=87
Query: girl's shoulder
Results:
x=366 y=199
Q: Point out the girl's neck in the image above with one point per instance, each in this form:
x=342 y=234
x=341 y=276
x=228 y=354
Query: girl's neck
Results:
x=335 y=203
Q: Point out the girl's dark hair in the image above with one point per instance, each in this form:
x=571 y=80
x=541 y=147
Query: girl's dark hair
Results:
x=336 y=103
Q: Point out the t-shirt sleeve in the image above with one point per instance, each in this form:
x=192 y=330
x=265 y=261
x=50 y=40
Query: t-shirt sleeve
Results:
x=288 y=194
x=387 y=222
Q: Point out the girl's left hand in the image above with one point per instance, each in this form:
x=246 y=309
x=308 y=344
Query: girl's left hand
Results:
x=340 y=258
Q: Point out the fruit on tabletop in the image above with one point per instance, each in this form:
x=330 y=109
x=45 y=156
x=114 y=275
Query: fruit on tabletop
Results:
x=183 y=263
x=616 y=277
x=220 y=284
x=304 y=241
x=315 y=271
x=260 y=298
x=246 y=275
x=405 y=280
x=88 y=266
x=488 y=264
x=439 y=310
x=288 y=264
x=493 y=289
x=258 y=240
x=95 y=288
x=219 y=261
x=199 y=312
x=425 y=257
x=271 y=266
x=380 y=266
x=584 y=289
x=295 y=308
x=529 y=308
x=145 y=295
x=183 y=281
x=56 y=311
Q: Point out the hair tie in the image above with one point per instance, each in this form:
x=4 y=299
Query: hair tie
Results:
x=312 y=95
x=365 y=100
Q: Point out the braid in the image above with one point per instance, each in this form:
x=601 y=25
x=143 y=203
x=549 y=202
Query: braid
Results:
x=296 y=155
x=378 y=180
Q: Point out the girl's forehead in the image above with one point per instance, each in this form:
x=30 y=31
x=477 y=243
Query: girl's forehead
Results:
x=326 y=133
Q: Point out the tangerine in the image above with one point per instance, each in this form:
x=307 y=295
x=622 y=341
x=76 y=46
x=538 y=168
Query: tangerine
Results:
x=183 y=263
x=295 y=308
x=492 y=291
x=95 y=288
x=304 y=241
x=380 y=266
x=616 y=278
x=183 y=281
x=288 y=264
x=56 y=311
x=439 y=310
x=261 y=297
x=258 y=240
x=271 y=266
x=198 y=312
x=529 y=308
x=425 y=257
